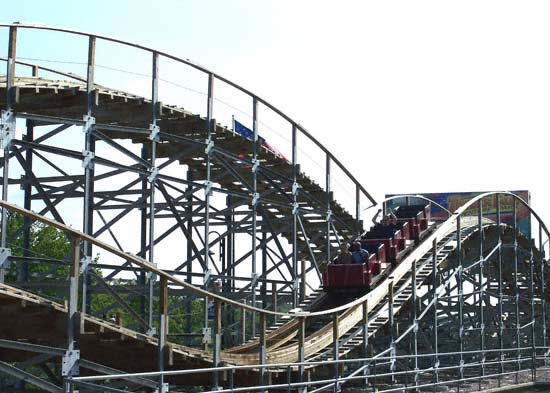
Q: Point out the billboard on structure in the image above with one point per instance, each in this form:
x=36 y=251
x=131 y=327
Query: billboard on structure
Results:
x=453 y=200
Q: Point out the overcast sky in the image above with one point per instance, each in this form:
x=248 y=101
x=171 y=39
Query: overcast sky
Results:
x=412 y=96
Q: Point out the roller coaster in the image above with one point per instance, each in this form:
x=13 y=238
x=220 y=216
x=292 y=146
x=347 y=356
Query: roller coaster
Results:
x=145 y=247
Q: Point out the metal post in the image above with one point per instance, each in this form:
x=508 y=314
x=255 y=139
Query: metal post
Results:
x=481 y=293
x=533 y=317
x=163 y=329
x=88 y=164
x=391 y=328
x=254 y=203
x=415 y=321
x=243 y=323
x=516 y=286
x=303 y=280
x=217 y=342
x=301 y=351
x=274 y=300
x=189 y=249
x=365 y=349
x=70 y=361
x=154 y=137
x=542 y=287
x=336 y=350
x=435 y=299
x=329 y=212
x=295 y=213
x=460 y=299
x=262 y=354
x=7 y=127
x=207 y=191
x=23 y=269
x=357 y=211
x=500 y=294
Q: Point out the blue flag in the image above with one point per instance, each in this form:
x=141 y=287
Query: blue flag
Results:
x=242 y=130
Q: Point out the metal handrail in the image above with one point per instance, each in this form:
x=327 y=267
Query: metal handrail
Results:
x=444 y=227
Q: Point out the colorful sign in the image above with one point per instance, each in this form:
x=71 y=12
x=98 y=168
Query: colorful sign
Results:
x=454 y=200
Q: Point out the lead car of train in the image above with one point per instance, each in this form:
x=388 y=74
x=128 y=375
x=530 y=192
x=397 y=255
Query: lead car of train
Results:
x=386 y=244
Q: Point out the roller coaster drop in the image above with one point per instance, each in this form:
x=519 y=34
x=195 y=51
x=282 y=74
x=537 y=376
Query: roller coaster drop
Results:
x=463 y=305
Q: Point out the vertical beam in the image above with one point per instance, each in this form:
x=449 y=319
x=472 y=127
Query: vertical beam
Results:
x=143 y=238
x=357 y=211
x=163 y=328
x=460 y=299
x=500 y=294
x=23 y=269
x=274 y=300
x=89 y=151
x=329 y=212
x=391 y=328
x=516 y=287
x=254 y=203
x=533 y=316
x=264 y=263
x=217 y=342
x=207 y=191
x=365 y=345
x=7 y=127
x=415 y=321
x=70 y=361
x=481 y=293
x=189 y=250
x=336 y=350
x=301 y=350
x=153 y=137
x=263 y=348
x=435 y=284
x=295 y=213
x=243 y=324
x=542 y=287
x=303 y=280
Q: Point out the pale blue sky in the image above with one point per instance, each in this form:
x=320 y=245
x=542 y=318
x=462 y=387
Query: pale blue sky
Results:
x=424 y=85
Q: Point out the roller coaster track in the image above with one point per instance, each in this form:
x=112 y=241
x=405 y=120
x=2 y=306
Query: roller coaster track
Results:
x=267 y=198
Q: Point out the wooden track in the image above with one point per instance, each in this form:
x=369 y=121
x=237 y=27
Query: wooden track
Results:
x=67 y=99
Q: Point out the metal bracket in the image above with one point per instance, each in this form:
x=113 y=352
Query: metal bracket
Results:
x=69 y=362
x=295 y=188
x=84 y=264
x=7 y=128
x=461 y=331
x=89 y=123
x=87 y=161
x=329 y=214
x=151 y=331
x=154 y=173
x=295 y=208
x=254 y=280
x=255 y=198
x=163 y=388
x=209 y=146
x=296 y=283
x=154 y=132
x=208 y=188
x=415 y=326
x=255 y=165
x=5 y=253
x=207 y=275
x=206 y=335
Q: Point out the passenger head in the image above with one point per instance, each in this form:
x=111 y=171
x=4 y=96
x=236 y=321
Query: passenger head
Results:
x=357 y=245
x=344 y=247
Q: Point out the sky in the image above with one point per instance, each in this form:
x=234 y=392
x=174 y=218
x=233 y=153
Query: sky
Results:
x=424 y=96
